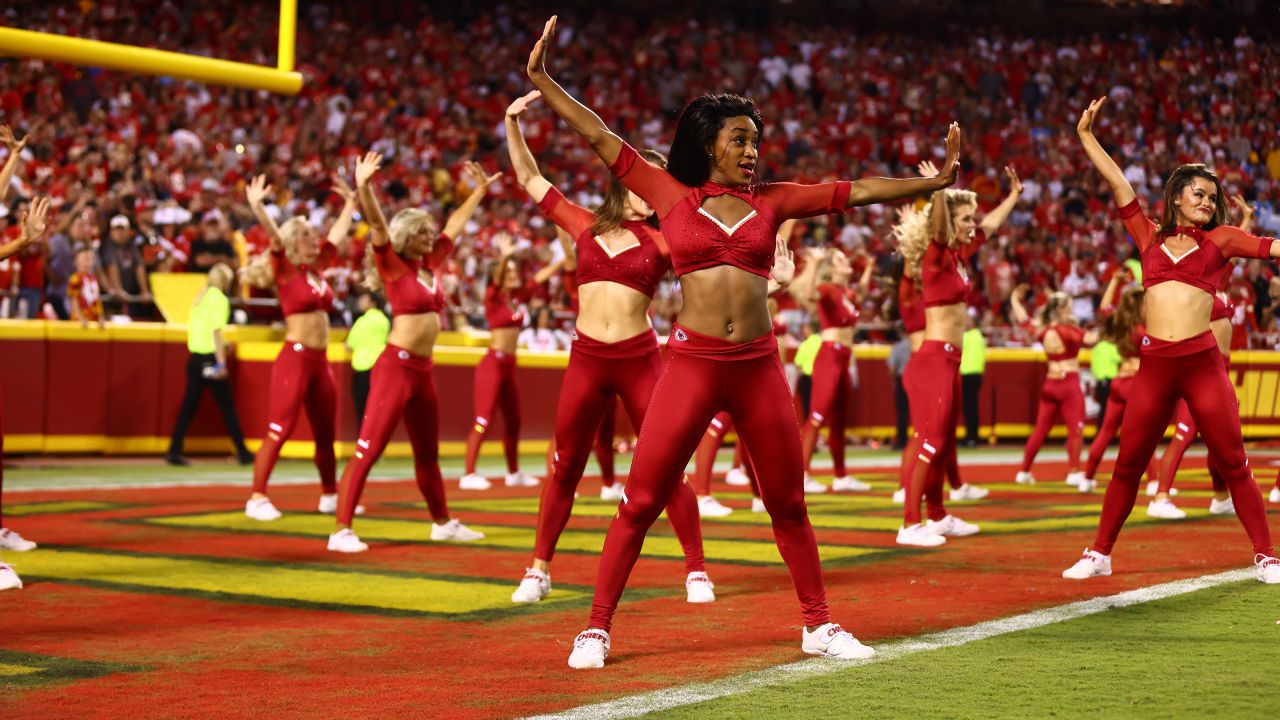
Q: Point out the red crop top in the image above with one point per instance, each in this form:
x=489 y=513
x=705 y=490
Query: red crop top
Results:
x=638 y=266
x=943 y=272
x=1222 y=307
x=407 y=291
x=698 y=240
x=837 y=306
x=300 y=290
x=910 y=307
x=1203 y=265
x=501 y=307
x=1072 y=337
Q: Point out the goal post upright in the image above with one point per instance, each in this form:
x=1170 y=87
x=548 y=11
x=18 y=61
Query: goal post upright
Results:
x=283 y=79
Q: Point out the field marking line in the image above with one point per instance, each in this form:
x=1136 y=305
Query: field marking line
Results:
x=642 y=704
x=231 y=479
x=244 y=481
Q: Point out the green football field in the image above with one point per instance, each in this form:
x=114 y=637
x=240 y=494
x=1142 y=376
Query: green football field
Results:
x=151 y=595
x=1213 y=652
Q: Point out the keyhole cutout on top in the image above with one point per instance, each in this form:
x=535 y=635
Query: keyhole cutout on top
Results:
x=1175 y=254
x=428 y=280
x=617 y=242
x=727 y=211
x=1053 y=343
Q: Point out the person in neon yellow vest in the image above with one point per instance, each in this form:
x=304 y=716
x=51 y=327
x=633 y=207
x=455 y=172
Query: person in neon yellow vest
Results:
x=366 y=340
x=973 y=363
x=207 y=365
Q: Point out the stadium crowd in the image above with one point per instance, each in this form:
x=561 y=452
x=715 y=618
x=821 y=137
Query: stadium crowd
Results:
x=151 y=172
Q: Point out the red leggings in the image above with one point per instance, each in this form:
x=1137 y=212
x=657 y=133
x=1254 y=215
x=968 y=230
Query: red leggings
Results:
x=950 y=464
x=300 y=378
x=496 y=389
x=401 y=386
x=597 y=373
x=932 y=382
x=1061 y=395
x=828 y=401
x=1184 y=432
x=703 y=376
x=704 y=459
x=1117 y=401
x=1 y=463
x=1191 y=370
x=604 y=446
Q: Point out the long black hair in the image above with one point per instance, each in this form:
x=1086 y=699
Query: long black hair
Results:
x=696 y=132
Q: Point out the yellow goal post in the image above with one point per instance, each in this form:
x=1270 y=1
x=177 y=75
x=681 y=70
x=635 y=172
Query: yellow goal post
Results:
x=282 y=79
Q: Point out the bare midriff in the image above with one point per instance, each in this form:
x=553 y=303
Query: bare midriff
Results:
x=725 y=302
x=311 y=329
x=841 y=335
x=917 y=339
x=1177 y=311
x=1222 y=333
x=504 y=339
x=610 y=312
x=945 y=323
x=416 y=333
x=1059 y=369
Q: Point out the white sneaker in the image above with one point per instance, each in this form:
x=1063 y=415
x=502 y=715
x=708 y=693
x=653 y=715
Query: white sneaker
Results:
x=920 y=536
x=952 y=526
x=9 y=579
x=1222 y=507
x=848 y=483
x=900 y=496
x=1268 y=569
x=262 y=509
x=1275 y=495
x=1165 y=510
x=1024 y=478
x=967 y=492
x=472 y=481
x=1092 y=564
x=521 y=478
x=329 y=504
x=813 y=487
x=833 y=641
x=708 y=506
x=1087 y=485
x=454 y=530
x=345 y=541
x=738 y=477
x=590 y=649
x=700 y=588
x=10 y=540
x=612 y=492
x=757 y=505
x=535 y=586
x=1074 y=479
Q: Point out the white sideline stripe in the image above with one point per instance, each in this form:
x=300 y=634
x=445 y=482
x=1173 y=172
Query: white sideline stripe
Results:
x=638 y=705
x=212 y=482
x=244 y=479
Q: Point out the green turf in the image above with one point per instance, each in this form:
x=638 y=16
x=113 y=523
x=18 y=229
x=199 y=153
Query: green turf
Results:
x=1210 y=653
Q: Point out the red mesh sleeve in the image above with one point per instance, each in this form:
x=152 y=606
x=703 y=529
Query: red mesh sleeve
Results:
x=1234 y=242
x=390 y=266
x=793 y=200
x=650 y=182
x=281 y=268
x=440 y=251
x=1140 y=227
x=575 y=219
